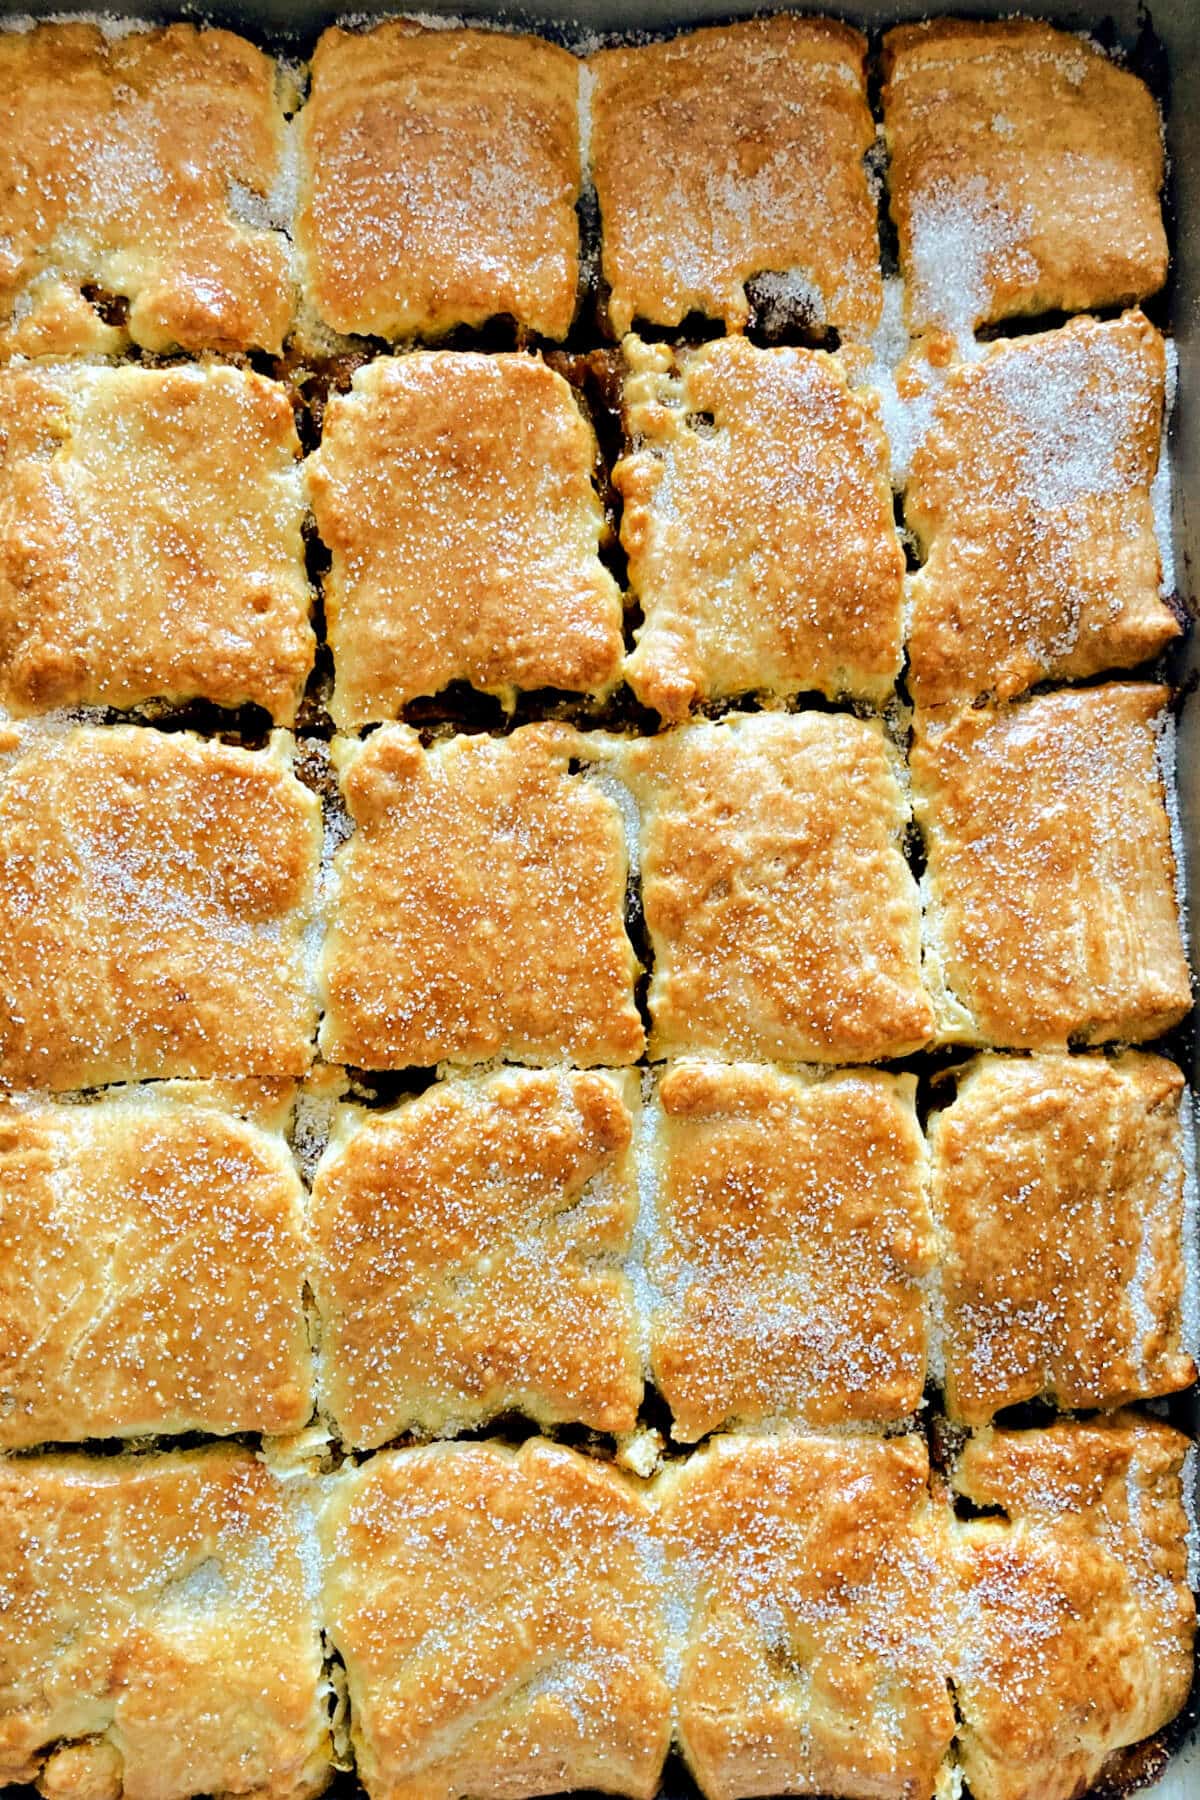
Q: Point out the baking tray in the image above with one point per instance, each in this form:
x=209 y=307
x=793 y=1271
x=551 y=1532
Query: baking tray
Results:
x=1162 y=42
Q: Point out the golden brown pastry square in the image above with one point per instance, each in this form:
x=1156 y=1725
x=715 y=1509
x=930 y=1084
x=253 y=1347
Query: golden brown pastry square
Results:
x=1025 y=172
x=731 y=153
x=500 y=1616
x=1058 y=1188
x=1030 y=498
x=156 y=892
x=146 y=170
x=150 y=539
x=478 y=908
x=153 y=1256
x=783 y=915
x=1076 y=1624
x=1051 y=915
x=160 y=1629
x=759 y=527
x=469 y=1247
x=454 y=491
x=815 y=1590
x=791 y=1233
x=439 y=175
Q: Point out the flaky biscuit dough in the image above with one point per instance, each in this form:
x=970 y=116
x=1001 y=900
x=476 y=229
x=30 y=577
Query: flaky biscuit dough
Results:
x=791 y=1234
x=783 y=915
x=815 y=1591
x=1030 y=497
x=1025 y=172
x=158 y=1629
x=155 y=892
x=455 y=493
x=1076 y=1624
x=1058 y=1185
x=1051 y=912
x=152 y=1268
x=468 y=1252
x=478 y=907
x=734 y=152
x=142 y=166
x=759 y=527
x=500 y=1617
x=439 y=174
x=150 y=539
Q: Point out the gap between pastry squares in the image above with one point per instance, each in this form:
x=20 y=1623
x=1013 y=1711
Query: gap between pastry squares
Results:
x=225 y=923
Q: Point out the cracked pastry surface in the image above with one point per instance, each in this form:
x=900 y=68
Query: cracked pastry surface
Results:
x=147 y=167
x=155 y=889
x=791 y=1234
x=439 y=175
x=759 y=527
x=160 y=1634
x=1076 y=1623
x=152 y=1266
x=1030 y=496
x=814 y=1597
x=783 y=915
x=150 y=539
x=495 y=1610
x=479 y=906
x=1058 y=1186
x=469 y=1246
x=454 y=491
x=735 y=152
x=1025 y=173
x=1051 y=912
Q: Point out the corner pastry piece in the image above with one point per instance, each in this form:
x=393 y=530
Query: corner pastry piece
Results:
x=816 y=1590
x=498 y=1613
x=1030 y=495
x=1076 y=1624
x=791 y=1232
x=783 y=915
x=729 y=170
x=468 y=1250
x=155 y=892
x=150 y=539
x=455 y=493
x=152 y=1266
x=141 y=183
x=439 y=175
x=759 y=526
x=479 y=906
x=1025 y=173
x=159 y=1629
x=1058 y=1185
x=1051 y=912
